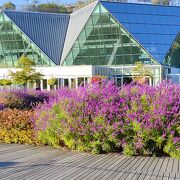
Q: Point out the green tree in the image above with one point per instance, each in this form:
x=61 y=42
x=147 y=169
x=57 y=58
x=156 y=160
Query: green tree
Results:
x=48 y=7
x=5 y=82
x=9 y=6
x=141 y=73
x=52 y=81
x=26 y=74
x=82 y=3
x=163 y=2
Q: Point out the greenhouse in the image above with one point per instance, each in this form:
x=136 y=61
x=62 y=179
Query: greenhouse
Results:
x=107 y=38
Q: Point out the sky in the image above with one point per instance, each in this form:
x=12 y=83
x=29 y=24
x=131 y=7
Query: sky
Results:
x=21 y=2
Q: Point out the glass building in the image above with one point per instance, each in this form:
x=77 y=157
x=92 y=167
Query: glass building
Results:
x=108 y=34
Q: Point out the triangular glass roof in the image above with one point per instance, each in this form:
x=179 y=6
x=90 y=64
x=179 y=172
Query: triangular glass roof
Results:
x=154 y=26
x=103 y=41
x=14 y=44
x=47 y=31
x=80 y=16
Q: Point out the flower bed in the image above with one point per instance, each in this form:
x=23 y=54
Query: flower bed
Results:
x=103 y=118
x=23 y=99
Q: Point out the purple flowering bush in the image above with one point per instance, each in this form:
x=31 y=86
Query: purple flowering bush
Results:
x=152 y=121
x=22 y=99
x=137 y=119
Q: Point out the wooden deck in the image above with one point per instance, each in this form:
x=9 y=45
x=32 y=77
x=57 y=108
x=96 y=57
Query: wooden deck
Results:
x=20 y=162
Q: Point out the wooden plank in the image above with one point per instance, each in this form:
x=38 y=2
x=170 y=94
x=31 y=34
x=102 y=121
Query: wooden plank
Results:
x=71 y=167
x=160 y=176
x=93 y=174
x=142 y=176
x=42 y=158
x=96 y=173
x=172 y=176
x=143 y=164
x=166 y=176
x=136 y=165
x=123 y=164
x=148 y=164
x=84 y=169
x=125 y=175
x=170 y=165
x=177 y=175
x=31 y=162
x=154 y=175
x=176 y=167
x=164 y=165
x=119 y=160
x=148 y=175
x=153 y=164
x=134 y=161
x=118 y=176
x=86 y=173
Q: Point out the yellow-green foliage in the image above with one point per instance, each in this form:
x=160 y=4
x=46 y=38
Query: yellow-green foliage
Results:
x=5 y=82
x=16 y=126
x=52 y=81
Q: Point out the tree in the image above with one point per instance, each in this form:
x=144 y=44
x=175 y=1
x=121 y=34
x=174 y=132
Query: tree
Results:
x=27 y=74
x=52 y=81
x=9 y=6
x=47 y=7
x=141 y=74
x=82 y=3
x=163 y=2
x=5 y=82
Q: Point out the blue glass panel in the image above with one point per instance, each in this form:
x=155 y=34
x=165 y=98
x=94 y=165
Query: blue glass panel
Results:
x=151 y=39
x=152 y=49
x=157 y=29
x=162 y=19
x=133 y=28
x=149 y=29
x=168 y=10
x=147 y=9
x=141 y=38
x=177 y=20
x=121 y=16
x=161 y=49
x=160 y=10
x=130 y=18
x=139 y=18
x=176 y=11
x=153 y=26
x=159 y=39
x=147 y=19
x=155 y=19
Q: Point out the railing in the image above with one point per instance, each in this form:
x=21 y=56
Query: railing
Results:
x=175 y=78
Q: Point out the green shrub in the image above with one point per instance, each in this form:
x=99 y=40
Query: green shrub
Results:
x=139 y=119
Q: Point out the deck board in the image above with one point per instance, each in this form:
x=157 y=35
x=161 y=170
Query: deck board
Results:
x=33 y=162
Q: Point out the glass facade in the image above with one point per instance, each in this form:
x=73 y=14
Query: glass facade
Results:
x=173 y=56
x=103 y=41
x=13 y=44
x=153 y=26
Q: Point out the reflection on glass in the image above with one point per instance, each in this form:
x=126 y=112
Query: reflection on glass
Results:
x=173 y=56
x=103 y=41
x=13 y=44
